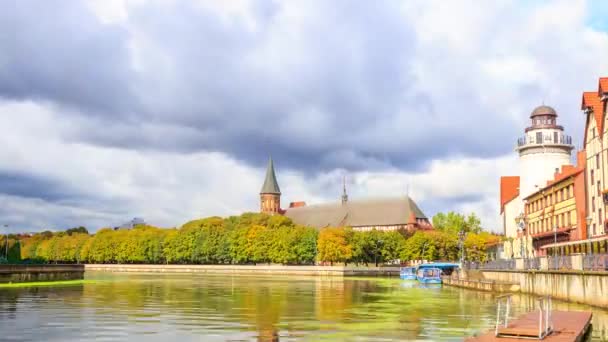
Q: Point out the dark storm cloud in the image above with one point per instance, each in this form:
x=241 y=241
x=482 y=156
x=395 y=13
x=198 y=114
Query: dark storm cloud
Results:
x=331 y=88
x=31 y=186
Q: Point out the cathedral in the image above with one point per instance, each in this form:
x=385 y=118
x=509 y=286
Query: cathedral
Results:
x=399 y=213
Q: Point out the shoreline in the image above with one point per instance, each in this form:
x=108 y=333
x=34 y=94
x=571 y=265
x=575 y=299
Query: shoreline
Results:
x=340 y=271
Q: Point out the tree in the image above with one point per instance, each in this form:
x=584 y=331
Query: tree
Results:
x=453 y=222
x=393 y=245
x=77 y=230
x=333 y=245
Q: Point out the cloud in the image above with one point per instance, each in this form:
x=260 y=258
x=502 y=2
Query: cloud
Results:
x=169 y=109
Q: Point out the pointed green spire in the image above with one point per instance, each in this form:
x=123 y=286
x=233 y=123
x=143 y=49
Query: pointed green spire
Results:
x=270 y=183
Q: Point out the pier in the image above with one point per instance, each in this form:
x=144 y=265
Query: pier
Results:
x=543 y=324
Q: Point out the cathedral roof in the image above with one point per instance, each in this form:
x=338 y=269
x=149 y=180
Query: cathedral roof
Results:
x=270 y=183
x=372 y=212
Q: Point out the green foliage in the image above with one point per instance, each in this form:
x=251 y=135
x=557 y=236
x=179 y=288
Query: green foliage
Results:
x=250 y=239
x=77 y=230
x=454 y=222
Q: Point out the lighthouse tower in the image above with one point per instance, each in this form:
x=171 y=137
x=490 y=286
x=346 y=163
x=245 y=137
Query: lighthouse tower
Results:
x=542 y=150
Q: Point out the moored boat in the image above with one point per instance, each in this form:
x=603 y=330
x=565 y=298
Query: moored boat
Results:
x=407 y=273
x=427 y=275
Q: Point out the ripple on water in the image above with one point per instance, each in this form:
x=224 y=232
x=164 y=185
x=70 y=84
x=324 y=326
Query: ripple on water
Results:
x=141 y=307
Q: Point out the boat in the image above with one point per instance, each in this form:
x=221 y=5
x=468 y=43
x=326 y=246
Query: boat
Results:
x=407 y=273
x=446 y=267
x=429 y=275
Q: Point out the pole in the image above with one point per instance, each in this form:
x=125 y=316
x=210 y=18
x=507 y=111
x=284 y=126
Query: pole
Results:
x=6 y=254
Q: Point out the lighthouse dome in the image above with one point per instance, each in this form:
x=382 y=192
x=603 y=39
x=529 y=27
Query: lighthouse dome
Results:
x=543 y=110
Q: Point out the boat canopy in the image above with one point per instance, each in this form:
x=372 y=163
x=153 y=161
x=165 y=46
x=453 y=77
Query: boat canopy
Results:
x=440 y=265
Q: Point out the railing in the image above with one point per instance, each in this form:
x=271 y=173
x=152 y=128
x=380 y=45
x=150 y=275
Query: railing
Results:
x=532 y=264
x=595 y=262
x=501 y=264
x=506 y=298
x=560 y=262
x=544 y=316
x=471 y=265
x=562 y=139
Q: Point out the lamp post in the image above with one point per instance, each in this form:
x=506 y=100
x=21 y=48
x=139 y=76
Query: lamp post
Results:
x=521 y=223
x=461 y=236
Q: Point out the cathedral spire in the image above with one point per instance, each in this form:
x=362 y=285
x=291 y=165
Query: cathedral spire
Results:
x=271 y=186
x=344 y=195
x=270 y=195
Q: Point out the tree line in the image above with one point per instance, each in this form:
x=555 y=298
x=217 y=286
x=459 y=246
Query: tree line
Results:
x=250 y=239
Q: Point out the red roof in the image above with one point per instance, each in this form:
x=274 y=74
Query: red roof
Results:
x=566 y=172
x=603 y=88
x=591 y=100
x=509 y=190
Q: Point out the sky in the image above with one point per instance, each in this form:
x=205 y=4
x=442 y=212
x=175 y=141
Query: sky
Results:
x=169 y=110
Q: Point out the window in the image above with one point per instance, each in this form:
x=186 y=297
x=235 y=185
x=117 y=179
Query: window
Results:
x=593 y=204
x=555 y=138
x=597 y=161
x=539 y=137
x=599 y=214
x=594 y=229
x=571 y=190
x=568 y=217
x=592 y=178
x=599 y=189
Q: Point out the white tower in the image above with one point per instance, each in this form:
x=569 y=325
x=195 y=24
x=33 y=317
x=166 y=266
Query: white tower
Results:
x=543 y=149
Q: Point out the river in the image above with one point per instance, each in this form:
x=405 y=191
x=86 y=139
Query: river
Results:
x=198 y=307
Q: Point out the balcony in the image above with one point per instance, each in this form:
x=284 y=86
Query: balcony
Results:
x=545 y=140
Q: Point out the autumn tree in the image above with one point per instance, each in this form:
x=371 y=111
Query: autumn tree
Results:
x=333 y=245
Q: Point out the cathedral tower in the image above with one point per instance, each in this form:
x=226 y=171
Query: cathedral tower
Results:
x=270 y=195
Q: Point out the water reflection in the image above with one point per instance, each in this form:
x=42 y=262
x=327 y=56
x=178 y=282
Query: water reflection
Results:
x=252 y=308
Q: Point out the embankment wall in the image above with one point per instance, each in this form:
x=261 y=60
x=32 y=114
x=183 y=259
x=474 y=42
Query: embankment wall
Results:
x=250 y=269
x=31 y=273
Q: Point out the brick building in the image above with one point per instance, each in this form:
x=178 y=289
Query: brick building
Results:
x=387 y=214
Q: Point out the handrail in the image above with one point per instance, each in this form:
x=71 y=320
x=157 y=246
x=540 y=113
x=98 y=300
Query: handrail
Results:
x=507 y=299
x=544 y=314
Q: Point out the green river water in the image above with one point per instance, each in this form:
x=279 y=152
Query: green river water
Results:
x=191 y=307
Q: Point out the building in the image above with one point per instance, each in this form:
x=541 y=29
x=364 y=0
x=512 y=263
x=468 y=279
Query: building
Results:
x=510 y=204
x=596 y=147
x=555 y=213
x=542 y=150
x=387 y=214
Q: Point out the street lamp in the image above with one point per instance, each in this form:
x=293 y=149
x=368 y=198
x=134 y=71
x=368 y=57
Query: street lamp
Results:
x=461 y=236
x=521 y=224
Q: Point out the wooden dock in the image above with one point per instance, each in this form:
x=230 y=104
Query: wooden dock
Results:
x=568 y=326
